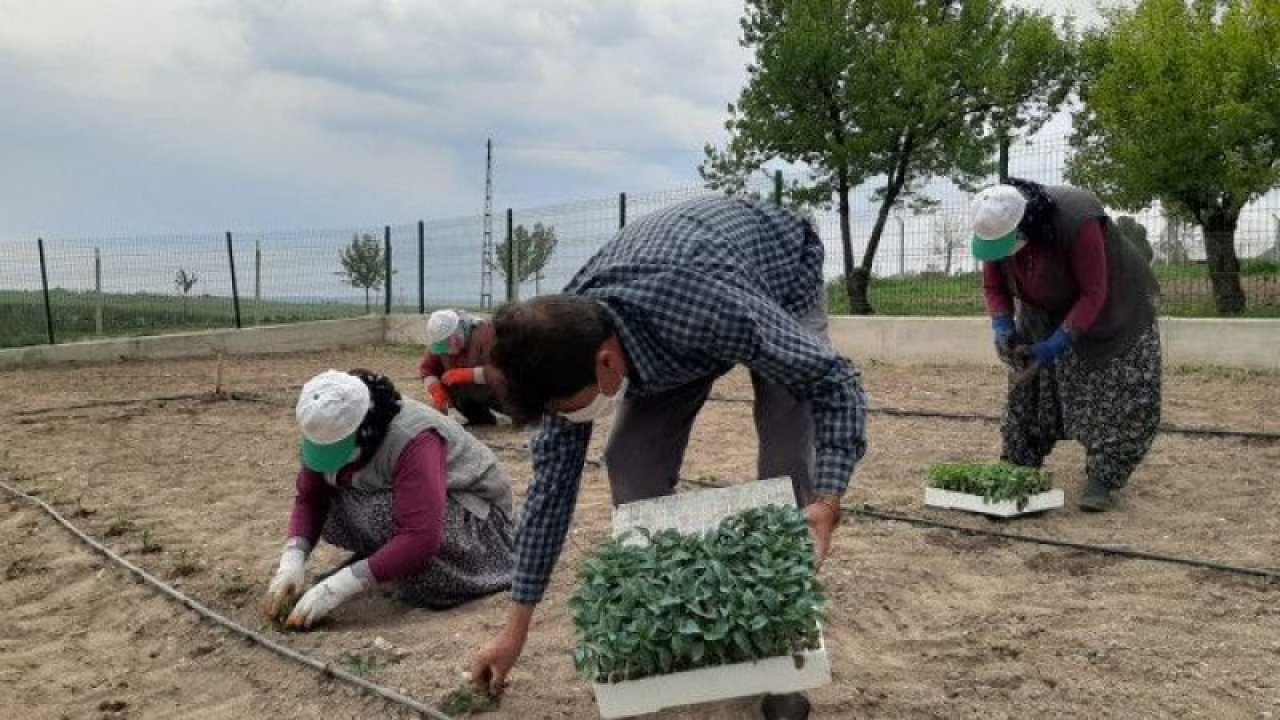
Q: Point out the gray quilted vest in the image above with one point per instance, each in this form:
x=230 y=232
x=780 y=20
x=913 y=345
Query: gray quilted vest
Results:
x=476 y=480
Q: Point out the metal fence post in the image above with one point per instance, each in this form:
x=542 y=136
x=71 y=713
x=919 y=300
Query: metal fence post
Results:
x=513 y=260
x=777 y=187
x=902 y=245
x=257 y=281
x=44 y=283
x=386 y=271
x=235 y=288
x=97 y=290
x=422 y=268
x=622 y=210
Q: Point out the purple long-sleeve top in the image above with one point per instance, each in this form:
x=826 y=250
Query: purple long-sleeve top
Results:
x=417 y=507
x=1083 y=288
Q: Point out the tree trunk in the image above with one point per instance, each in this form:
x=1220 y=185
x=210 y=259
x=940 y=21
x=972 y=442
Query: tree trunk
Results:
x=1003 y=161
x=1224 y=266
x=860 y=303
x=860 y=280
x=856 y=284
x=366 y=301
x=846 y=234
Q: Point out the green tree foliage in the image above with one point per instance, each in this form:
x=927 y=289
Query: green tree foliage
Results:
x=1182 y=106
x=534 y=249
x=1136 y=233
x=896 y=91
x=363 y=265
x=1035 y=77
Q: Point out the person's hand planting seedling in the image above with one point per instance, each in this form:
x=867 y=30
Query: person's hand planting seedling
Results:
x=286 y=586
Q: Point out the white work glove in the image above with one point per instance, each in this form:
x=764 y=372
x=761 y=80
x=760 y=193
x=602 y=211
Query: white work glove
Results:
x=290 y=578
x=324 y=598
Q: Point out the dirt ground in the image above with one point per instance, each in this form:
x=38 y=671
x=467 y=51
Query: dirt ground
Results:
x=923 y=624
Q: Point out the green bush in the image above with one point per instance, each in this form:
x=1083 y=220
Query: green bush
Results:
x=743 y=591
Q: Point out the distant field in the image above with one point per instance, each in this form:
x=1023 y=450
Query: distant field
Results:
x=22 y=318
x=1185 y=292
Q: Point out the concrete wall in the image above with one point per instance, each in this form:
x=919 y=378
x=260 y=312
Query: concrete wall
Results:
x=1231 y=343
x=1251 y=344
x=319 y=335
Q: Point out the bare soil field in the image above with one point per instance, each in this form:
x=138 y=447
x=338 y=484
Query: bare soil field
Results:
x=196 y=488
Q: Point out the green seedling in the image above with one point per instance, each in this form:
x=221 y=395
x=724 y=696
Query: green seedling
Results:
x=464 y=701
x=150 y=545
x=232 y=584
x=281 y=619
x=743 y=591
x=119 y=526
x=361 y=665
x=184 y=565
x=995 y=482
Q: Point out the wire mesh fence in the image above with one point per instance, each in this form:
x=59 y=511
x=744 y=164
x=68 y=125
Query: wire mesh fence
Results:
x=117 y=286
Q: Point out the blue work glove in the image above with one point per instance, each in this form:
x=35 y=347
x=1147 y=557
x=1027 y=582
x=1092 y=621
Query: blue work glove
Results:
x=1002 y=327
x=1048 y=351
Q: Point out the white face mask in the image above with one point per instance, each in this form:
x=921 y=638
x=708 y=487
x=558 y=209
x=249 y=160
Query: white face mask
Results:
x=601 y=406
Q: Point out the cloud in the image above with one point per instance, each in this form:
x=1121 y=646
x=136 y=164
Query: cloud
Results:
x=144 y=115
x=158 y=113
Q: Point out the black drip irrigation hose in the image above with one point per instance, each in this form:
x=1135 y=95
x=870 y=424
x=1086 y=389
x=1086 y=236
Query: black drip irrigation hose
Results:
x=30 y=416
x=869 y=511
x=1191 y=431
x=325 y=669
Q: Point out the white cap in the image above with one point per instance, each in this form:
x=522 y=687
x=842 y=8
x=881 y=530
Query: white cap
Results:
x=441 y=325
x=996 y=212
x=331 y=406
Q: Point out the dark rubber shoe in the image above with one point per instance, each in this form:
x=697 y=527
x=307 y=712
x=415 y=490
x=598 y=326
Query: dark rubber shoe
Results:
x=792 y=706
x=1096 y=498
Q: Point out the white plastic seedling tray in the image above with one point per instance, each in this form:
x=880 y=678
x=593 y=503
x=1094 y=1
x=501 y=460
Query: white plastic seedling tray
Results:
x=951 y=500
x=694 y=512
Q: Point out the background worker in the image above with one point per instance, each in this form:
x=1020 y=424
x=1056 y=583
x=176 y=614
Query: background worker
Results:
x=452 y=369
x=422 y=505
x=1072 y=305
x=671 y=303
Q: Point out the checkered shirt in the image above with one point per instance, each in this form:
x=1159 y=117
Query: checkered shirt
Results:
x=694 y=290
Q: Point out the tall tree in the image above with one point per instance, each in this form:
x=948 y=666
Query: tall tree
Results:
x=533 y=251
x=363 y=265
x=1182 y=106
x=900 y=91
x=796 y=106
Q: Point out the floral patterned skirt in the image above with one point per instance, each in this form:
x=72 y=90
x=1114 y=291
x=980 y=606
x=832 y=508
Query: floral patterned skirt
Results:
x=1113 y=410
x=475 y=557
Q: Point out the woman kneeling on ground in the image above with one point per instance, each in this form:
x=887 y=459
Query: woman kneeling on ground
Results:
x=422 y=505
x=1083 y=341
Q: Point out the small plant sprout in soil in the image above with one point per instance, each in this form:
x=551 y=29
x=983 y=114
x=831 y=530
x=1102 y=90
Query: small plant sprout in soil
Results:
x=464 y=701
x=743 y=591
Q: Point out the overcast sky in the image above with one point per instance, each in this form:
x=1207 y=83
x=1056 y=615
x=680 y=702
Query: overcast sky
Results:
x=143 y=116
